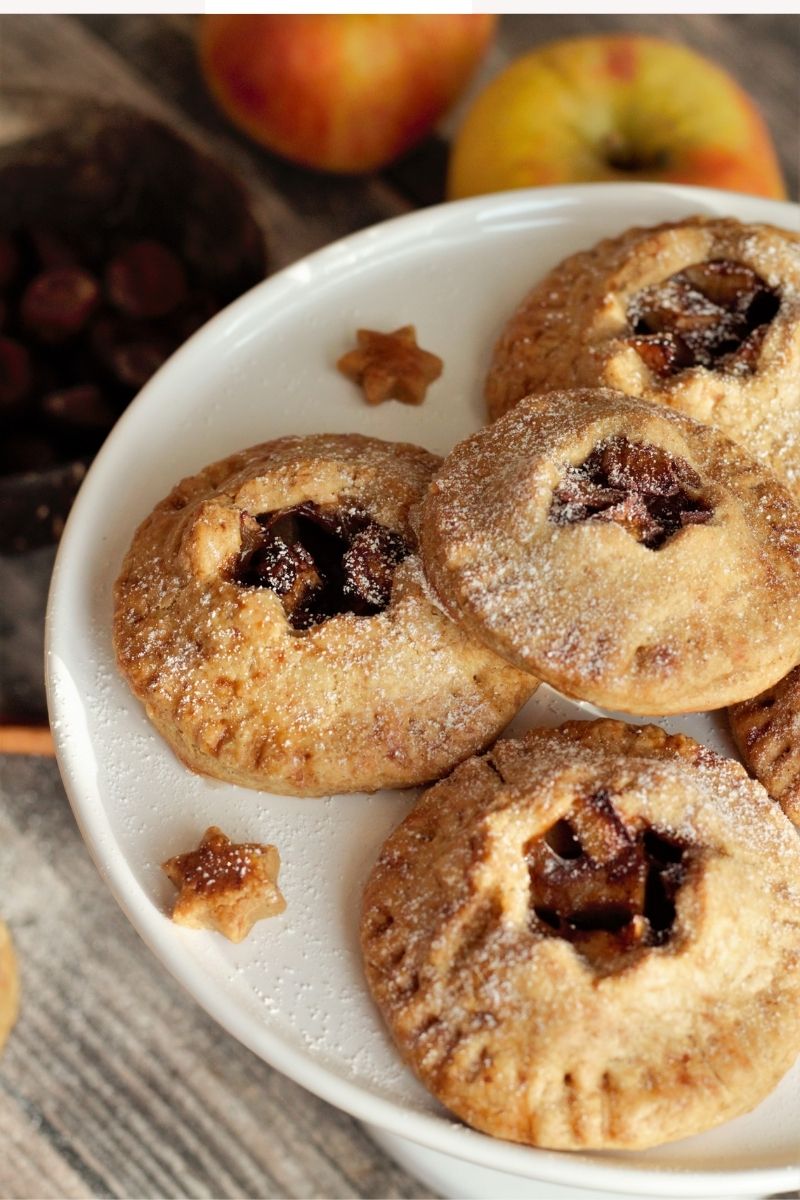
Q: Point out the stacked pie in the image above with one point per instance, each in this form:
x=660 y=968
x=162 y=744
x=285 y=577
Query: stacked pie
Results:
x=701 y=315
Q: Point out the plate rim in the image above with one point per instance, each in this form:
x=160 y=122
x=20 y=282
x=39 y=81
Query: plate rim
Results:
x=442 y=1133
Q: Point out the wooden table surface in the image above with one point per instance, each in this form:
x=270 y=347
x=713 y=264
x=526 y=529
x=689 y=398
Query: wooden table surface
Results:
x=114 y=1083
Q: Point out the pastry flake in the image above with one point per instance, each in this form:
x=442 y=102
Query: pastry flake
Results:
x=225 y=886
x=391 y=366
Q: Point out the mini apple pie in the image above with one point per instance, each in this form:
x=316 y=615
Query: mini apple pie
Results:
x=619 y=550
x=590 y=938
x=272 y=617
x=702 y=315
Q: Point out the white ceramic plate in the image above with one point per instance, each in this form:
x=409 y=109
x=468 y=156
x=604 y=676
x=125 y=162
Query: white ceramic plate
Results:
x=293 y=991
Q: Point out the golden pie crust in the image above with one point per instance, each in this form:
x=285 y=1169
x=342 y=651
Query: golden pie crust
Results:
x=709 y=618
x=767 y=732
x=9 y=985
x=615 y=1039
x=573 y=330
x=353 y=703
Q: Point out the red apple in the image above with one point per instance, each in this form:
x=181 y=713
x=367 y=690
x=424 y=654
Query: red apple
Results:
x=613 y=108
x=340 y=92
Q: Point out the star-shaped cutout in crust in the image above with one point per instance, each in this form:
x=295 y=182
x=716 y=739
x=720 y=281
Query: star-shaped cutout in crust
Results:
x=225 y=886
x=391 y=366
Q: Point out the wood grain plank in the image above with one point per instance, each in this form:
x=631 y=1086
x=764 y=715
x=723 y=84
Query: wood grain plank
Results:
x=33 y=1162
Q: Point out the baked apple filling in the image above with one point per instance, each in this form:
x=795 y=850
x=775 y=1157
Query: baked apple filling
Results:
x=713 y=314
x=650 y=493
x=320 y=559
x=608 y=891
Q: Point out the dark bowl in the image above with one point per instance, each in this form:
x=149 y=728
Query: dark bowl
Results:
x=83 y=181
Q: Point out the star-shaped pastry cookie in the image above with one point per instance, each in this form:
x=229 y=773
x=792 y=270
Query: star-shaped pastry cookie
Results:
x=391 y=366
x=225 y=886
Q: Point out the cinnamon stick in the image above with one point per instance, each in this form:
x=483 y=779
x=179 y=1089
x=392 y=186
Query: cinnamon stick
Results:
x=26 y=739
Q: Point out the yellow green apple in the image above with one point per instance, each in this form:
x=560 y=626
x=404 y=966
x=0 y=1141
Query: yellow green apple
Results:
x=623 y=107
x=346 y=92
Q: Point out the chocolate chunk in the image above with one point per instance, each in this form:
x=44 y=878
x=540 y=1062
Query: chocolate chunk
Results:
x=731 y=285
x=272 y=556
x=663 y=353
x=146 y=280
x=602 y=887
x=744 y=359
x=58 y=303
x=369 y=565
x=80 y=407
x=638 y=486
x=644 y=467
x=15 y=373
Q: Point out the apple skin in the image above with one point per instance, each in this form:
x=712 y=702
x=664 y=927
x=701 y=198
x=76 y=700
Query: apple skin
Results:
x=613 y=108
x=342 y=93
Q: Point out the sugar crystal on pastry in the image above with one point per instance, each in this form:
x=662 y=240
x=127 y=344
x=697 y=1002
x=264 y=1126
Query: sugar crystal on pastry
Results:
x=320 y=559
